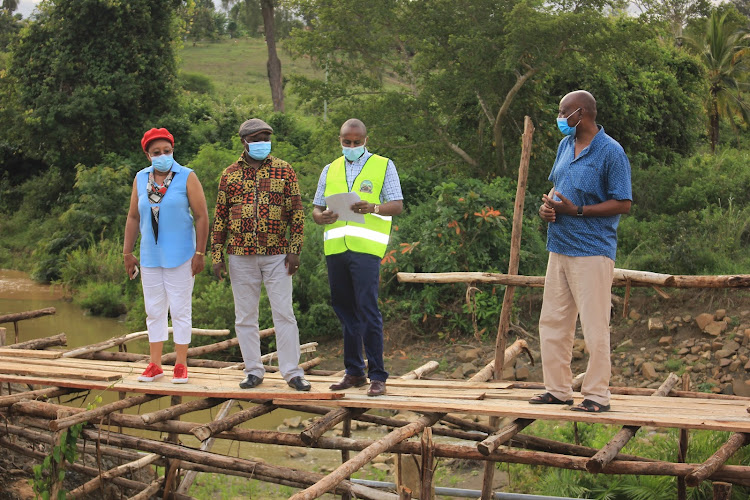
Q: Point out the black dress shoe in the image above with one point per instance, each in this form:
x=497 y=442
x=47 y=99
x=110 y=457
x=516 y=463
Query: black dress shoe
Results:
x=250 y=382
x=347 y=382
x=377 y=388
x=299 y=384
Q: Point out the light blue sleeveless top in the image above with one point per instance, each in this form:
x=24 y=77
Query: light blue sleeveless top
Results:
x=176 y=231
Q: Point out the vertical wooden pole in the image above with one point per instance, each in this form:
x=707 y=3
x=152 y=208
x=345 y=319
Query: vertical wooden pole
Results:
x=722 y=491
x=515 y=247
x=2 y=336
x=15 y=327
x=683 y=447
x=626 y=302
x=347 y=432
x=426 y=489
x=515 y=252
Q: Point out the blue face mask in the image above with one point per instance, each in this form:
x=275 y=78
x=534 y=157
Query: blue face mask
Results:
x=562 y=124
x=353 y=154
x=259 y=150
x=162 y=163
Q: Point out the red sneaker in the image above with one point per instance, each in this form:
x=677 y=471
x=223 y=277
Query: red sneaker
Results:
x=179 y=374
x=151 y=373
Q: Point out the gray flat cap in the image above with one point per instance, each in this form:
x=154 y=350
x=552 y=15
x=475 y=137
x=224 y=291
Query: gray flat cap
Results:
x=253 y=126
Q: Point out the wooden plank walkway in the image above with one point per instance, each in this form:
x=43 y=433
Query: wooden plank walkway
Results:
x=454 y=396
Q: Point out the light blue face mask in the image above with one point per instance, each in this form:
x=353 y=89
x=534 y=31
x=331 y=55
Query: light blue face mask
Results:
x=259 y=150
x=353 y=154
x=162 y=163
x=562 y=124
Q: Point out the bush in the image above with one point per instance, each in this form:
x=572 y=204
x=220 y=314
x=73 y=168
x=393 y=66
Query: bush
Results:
x=195 y=82
x=102 y=299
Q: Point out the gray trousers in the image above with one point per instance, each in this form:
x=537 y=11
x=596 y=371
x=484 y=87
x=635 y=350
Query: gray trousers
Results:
x=247 y=272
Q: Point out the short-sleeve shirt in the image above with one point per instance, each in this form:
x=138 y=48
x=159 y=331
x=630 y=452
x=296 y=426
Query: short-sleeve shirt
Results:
x=391 y=184
x=601 y=172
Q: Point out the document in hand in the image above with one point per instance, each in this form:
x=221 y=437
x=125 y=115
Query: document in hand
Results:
x=341 y=204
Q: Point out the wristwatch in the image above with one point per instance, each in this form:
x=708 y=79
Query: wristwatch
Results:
x=376 y=209
x=580 y=211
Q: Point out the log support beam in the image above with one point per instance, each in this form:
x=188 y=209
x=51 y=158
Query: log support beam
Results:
x=618 y=442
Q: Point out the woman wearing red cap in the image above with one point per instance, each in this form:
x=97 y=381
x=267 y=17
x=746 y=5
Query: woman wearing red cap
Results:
x=160 y=204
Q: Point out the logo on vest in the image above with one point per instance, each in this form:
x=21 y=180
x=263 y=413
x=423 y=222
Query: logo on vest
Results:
x=365 y=187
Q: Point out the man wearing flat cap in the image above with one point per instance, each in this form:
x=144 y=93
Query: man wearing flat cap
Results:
x=257 y=205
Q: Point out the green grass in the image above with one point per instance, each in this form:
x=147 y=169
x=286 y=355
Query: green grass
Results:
x=237 y=68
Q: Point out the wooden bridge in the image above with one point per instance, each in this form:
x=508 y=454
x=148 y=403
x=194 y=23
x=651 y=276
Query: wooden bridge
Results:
x=444 y=406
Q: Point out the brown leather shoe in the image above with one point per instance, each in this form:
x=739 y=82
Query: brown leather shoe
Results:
x=348 y=382
x=377 y=388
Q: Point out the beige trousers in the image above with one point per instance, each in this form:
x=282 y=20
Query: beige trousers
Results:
x=576 y=287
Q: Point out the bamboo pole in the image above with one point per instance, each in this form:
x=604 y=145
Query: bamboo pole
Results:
x=618 y=442
x=90 y=415
x=206 y=431
x=127 y=468
x=54 y=340
x=326 y=423
x=356 y=463
x=106 y=344
x=174 y=451
x=20 y=316
x=503 y=435
x=206 y=445
x=715 y=461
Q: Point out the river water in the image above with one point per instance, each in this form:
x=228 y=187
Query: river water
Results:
x=18 y=293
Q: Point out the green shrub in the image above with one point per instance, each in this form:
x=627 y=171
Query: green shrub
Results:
x=195 y=82
x=102 y=299
x=100 y=262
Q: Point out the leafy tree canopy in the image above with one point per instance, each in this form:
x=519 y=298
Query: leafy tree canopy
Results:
x=89 y=73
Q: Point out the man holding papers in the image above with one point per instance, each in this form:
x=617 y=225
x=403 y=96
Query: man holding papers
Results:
x=357 y=195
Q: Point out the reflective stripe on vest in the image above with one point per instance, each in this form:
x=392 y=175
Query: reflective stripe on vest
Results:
x=372 y=236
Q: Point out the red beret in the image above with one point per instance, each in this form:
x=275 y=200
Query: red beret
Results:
x=156 y=133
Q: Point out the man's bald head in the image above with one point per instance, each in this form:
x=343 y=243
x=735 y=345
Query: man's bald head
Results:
x=578 y=99
x=353 y=125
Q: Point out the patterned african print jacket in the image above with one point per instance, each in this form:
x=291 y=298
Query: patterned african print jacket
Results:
x=255 y=207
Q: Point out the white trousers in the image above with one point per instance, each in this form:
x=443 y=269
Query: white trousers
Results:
x=576 y=287
x=247 y=272
x=168 y=290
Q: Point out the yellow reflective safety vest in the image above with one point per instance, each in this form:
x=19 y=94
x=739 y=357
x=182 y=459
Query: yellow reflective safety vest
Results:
x=372 y=236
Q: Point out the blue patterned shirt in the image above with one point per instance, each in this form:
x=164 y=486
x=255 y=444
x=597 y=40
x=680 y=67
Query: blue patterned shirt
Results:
x=601 y=172
x=391 y=184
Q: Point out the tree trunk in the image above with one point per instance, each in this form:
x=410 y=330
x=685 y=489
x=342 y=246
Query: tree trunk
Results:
x=274 y=63
x=714 y=121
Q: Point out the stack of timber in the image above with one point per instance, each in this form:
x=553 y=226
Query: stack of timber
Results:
x=443 y=408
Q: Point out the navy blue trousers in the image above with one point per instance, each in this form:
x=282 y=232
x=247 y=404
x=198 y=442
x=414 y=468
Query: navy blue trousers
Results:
x=354 y=279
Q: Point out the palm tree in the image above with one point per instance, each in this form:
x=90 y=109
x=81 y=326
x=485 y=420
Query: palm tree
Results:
x=9 y=5
x=723 y=51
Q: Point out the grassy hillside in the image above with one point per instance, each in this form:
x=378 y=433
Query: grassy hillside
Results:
x=237 y=68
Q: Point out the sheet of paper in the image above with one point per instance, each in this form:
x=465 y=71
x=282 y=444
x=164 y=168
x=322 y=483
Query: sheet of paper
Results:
x=341 y=203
